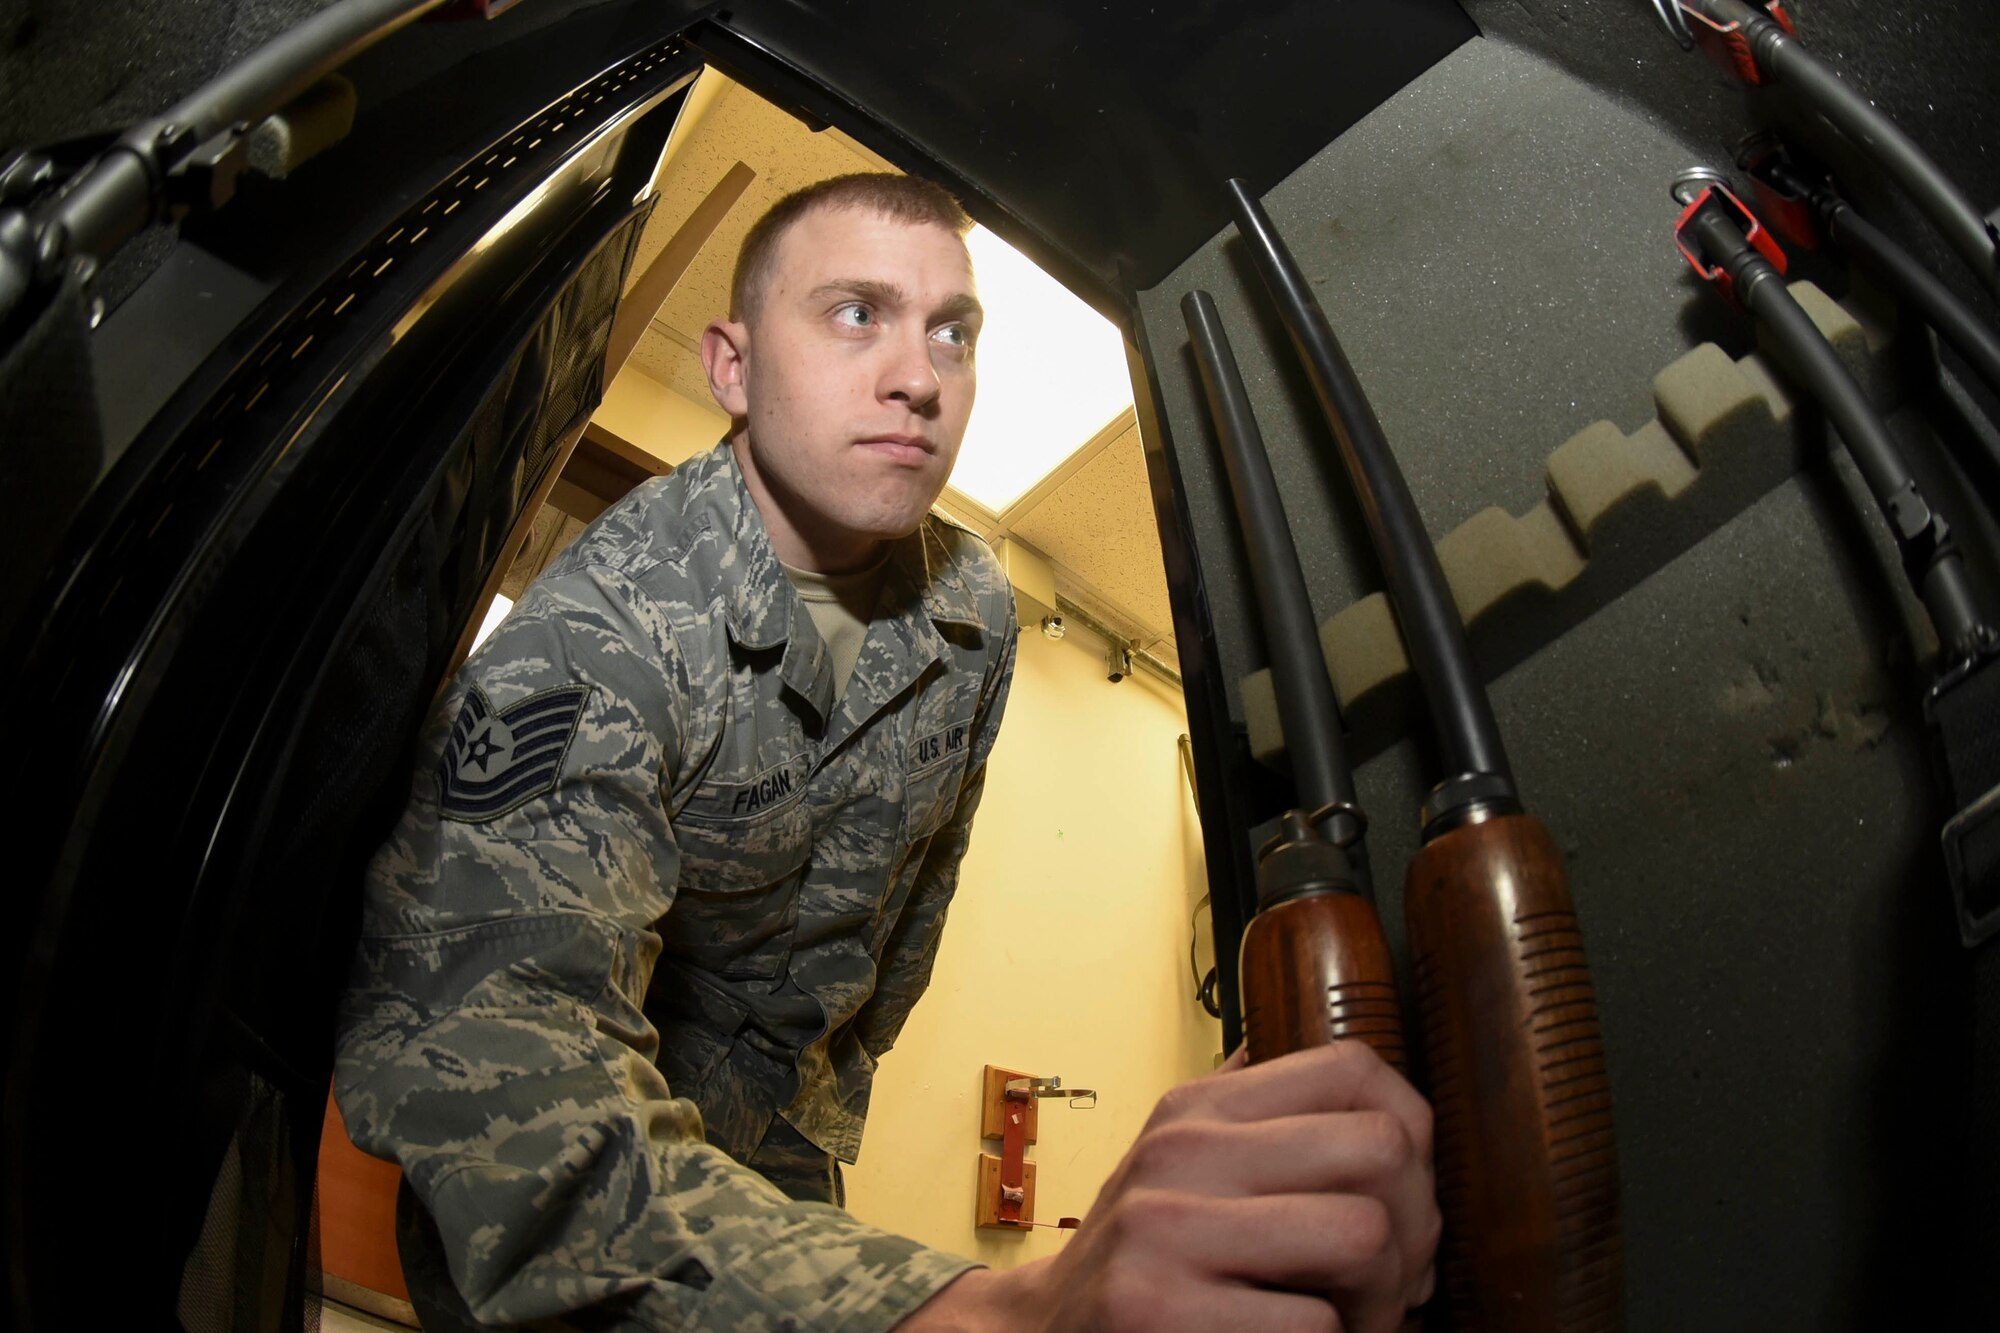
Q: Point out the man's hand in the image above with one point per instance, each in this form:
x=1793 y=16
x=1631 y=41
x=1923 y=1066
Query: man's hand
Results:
x=1295 y=1195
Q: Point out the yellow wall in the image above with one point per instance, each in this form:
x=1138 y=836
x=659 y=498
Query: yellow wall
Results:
x=665 y=424
x=1066 y=953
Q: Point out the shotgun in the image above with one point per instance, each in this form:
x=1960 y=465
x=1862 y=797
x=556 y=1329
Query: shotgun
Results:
x=1789 y=192
x=1527 y=1169
x=1728 y=245
x=1759 y=45
x=1315 y=966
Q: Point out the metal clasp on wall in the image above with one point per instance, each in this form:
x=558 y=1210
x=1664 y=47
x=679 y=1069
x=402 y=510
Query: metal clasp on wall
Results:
x=1006 y=1196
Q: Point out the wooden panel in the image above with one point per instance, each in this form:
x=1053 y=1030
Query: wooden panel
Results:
x=357 y=1212
x=986 y=1204
x=603 y=470
x=551 y=532
x=575 y=502
x=600 y=436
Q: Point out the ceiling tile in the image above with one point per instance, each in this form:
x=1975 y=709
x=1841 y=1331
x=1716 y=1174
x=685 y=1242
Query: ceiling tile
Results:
x=786 y=156
x=673 y=365
x=1099 y=526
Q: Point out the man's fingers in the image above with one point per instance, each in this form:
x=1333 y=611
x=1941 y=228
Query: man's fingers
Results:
x=1332 y=1243
x=1337 y=1152
x=1309 y=1173
x=1344 y=1152
x=1346 y=1076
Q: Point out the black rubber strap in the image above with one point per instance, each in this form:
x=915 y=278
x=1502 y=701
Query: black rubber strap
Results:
x=1964 y=711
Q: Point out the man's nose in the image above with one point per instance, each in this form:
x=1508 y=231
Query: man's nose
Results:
x=909 y=377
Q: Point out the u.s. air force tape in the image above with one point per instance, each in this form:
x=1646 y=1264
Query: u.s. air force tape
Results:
x=499 y=759
x=944 y=743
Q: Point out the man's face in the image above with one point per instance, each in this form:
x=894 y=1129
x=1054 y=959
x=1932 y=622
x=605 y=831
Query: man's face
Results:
x=854 y=377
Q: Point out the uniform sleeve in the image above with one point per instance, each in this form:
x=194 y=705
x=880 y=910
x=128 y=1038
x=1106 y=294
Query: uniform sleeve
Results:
x=491 y=1040
x=912 y=946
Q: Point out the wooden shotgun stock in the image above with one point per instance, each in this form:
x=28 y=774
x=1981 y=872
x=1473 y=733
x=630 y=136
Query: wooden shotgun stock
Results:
x=1315 y=970
x=1527 y=1172
x=1314 y=966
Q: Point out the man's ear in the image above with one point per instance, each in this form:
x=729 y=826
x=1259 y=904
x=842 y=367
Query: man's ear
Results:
x=725 y=345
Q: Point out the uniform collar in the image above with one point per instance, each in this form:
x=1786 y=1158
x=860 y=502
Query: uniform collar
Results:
x=927 y=565
x=763 y=609
x=756 y=596
x=761 y=604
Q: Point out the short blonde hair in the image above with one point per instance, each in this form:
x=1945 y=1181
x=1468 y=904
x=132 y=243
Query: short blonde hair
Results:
x=910 y=199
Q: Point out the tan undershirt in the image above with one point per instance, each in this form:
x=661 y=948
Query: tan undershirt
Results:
x=841 y=606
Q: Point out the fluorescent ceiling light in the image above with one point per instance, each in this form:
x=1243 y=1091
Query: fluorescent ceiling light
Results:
x=1051 y=376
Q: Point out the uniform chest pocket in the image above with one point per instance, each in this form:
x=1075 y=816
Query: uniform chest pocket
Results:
x=744 y=848
x=936 y=772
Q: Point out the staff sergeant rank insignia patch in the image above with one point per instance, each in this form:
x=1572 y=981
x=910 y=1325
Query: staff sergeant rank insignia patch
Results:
x=499 y=760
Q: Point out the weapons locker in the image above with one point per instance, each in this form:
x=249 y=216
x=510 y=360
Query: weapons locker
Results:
x=1694 y=624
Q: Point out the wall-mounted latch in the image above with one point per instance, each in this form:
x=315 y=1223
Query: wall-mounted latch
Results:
x=1019 y=1088
x=1006 y=1197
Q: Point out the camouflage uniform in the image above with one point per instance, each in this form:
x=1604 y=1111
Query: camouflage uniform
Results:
x=647 y=761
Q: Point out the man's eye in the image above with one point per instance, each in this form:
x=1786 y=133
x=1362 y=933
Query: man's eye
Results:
x=956 y=335
x=854 y=316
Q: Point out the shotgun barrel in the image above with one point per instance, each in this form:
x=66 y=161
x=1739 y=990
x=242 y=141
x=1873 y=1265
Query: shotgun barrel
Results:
x=1527 y=1168
x=1315 y=967
x=1810 y=191
x=1727 y=245
x=1780 y=57
x=1713 y=226
x=1900 y=272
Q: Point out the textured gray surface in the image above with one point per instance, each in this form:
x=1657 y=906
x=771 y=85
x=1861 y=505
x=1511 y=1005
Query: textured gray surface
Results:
x=1727 y=432
x=1727 y=758
x=1928 y=65
x=1494 y=295
x=1730 y=753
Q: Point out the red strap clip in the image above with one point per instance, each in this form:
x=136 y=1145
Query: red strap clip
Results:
x=1753 y=231
x=1726 y=44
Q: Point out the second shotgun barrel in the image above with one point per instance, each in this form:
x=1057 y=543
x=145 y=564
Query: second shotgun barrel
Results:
x=1889 y=263
x=1526 y=1164
x=1785 y=60
x=1315 y=967
x=1931 y=556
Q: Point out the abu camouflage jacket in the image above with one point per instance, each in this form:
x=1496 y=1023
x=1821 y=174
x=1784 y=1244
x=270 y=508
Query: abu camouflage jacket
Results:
x=654 y=886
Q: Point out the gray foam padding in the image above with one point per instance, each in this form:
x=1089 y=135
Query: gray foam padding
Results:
x=1490 y=298
x=1929 y=66
x=1618 y=508
x=311 y=123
